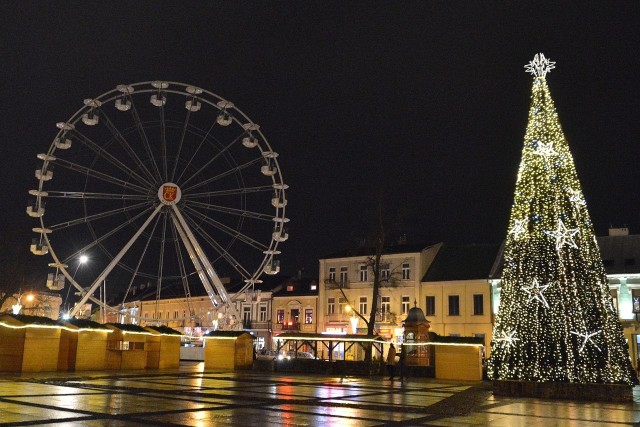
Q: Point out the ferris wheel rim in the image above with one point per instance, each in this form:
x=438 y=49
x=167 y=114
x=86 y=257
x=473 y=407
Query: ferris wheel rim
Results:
x=219 y=103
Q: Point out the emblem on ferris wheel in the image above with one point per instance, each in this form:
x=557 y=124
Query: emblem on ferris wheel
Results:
x=540 y=65
x=169 y=193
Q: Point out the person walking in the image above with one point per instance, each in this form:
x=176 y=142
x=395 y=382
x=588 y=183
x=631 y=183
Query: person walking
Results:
x=401 y=362
x=391 y=362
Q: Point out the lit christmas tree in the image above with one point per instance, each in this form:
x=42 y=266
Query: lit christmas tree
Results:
x=556 y=320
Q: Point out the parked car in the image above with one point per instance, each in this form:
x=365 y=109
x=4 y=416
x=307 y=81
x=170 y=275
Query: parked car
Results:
x=299 y=355
x=267 y=355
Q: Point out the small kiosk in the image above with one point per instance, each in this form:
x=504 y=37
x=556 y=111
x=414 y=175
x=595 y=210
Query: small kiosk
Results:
x=126 y=347
x=163 y=347
x=228 y=350
x=416 y=335
x=83 y=346
x=29 y=343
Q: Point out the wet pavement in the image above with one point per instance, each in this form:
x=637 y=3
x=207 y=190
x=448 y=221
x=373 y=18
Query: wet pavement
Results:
x=193 y=397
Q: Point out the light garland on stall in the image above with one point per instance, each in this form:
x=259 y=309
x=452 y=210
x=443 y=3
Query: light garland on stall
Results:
x=572 y=333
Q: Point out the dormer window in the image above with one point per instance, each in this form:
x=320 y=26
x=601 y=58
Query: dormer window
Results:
x=289 y=288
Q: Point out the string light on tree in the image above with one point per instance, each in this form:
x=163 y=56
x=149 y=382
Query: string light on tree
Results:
x=572 y=332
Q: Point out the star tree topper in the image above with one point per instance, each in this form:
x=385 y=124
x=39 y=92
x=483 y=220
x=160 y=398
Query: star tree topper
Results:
x=540 y=65
x=563 y=235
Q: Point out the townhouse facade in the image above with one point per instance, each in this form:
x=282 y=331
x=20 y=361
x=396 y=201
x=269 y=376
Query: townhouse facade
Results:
x=346 y=286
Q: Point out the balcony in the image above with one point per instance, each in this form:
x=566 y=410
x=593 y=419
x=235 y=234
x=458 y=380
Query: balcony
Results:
x=291 y=326
x=333 y=284
x=255 y=325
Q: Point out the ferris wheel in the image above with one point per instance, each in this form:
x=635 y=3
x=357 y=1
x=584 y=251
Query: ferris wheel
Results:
x=160 y=183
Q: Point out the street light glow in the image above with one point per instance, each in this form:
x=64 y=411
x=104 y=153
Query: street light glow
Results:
x=83 y=259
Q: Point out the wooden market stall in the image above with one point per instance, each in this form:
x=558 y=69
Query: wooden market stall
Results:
x=29 y=343
x=228 y=350
x=126 y=347
x=83 y=346
x=163 y=347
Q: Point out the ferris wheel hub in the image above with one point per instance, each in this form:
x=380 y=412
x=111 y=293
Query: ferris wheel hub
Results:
x=169 y=193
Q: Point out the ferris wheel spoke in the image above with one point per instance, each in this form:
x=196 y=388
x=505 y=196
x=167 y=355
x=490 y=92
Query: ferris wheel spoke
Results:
x=161 y=261
x=94 y=217
x=163 y=144
x=145 y=141
x=231 y=171
x=222 y=252
x=134 y=273
x=212 y=159
x=195 y=153
x=235 y=234
x=179 y=150
x=229 y=192
x=181 y=266
x=99 y=240
x=114 y=261
x=232 y=211
x=104 y=154
x=127 y=146
x=99 y=175
x=52 y=194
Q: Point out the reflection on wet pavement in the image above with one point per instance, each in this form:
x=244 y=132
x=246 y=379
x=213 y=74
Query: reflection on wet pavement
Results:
x=193 y=397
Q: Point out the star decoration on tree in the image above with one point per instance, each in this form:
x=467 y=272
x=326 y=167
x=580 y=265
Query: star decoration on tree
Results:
x=508 y=338
x=545 y=150
x=587 y=337
x=518 y=228
x=535 y=292
x=540 y=65
x=575 y=196
x=563 y=235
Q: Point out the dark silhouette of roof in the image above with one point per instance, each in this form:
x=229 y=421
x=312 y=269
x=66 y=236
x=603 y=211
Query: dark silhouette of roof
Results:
x=462 y=262
x=297 y=286
x=402 y=248
x=620 y=254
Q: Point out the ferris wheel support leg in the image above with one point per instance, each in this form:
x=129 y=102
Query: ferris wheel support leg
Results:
x=114 y=262
x=194 y=258
x=211 y=273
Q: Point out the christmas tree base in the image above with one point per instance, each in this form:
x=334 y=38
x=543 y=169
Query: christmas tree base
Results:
x=595 y=392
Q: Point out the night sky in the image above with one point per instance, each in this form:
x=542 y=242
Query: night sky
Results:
x=424 y=100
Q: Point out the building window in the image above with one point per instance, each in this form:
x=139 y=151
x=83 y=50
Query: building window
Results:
x=363 y=305
x=342 y=303
x=280 y=315
x=364 y=273
x=343 y=275
x=385 y=304
x=289 y=288
x=246 y=313
x=175 y=314
x=478 y=304
x=405 y=304
x=263 y=312
x=331 y=305
x=431 y=305
x=308 y=316
x=454 y=305
x=384 y=272
x=332 y=274
x=406 y=271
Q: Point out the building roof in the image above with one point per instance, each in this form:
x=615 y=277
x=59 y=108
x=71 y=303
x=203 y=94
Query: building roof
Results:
x=620 y=254
x=462 y=262
x=402 y=248
x=296 y=287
